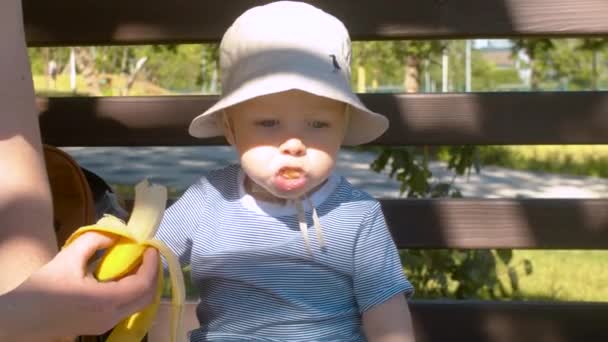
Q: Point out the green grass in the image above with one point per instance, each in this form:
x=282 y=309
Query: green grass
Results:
x=559 y=275
x=565 y=275
x=62 y=86
x=191 y=291
x=583 y=160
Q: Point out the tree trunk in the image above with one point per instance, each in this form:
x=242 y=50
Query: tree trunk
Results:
x=124 y=60
x=412 y=80
x=361 y=79
x=86 y=65
x=445 y=66
x=133 y=74
x=214 y=77
x=534 y=75
x=203 y=69
x=594 y=73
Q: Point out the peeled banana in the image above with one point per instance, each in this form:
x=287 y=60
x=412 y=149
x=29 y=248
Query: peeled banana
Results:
x=125 y=255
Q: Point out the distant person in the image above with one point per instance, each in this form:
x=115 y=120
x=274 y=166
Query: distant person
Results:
x=52 y=73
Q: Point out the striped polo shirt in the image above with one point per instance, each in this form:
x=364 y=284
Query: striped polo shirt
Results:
x=256 y=279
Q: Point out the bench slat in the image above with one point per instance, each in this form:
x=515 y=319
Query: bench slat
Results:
x=479 y=321
x=498 y=223
x=474 y=321
x=80 y=22
x=416 y=119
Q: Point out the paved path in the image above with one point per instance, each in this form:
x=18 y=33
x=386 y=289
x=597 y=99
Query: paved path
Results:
x=180 y=166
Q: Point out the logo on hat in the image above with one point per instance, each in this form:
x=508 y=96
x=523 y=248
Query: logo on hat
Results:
x=335 y=62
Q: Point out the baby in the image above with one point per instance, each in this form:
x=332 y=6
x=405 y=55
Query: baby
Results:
x=287 y=107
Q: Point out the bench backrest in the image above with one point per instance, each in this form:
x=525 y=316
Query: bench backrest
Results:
x=416 y=119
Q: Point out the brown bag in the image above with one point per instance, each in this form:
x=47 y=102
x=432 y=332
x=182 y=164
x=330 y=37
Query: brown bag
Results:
x=73 y=203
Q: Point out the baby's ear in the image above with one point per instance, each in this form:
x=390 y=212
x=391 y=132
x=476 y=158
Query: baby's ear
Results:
x=223 y=120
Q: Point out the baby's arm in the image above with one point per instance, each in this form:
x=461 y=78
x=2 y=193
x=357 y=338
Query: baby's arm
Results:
x=180 y=222
x=379 y=282
x=389 y=321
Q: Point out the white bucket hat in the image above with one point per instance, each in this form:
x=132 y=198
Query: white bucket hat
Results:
x=283 y=46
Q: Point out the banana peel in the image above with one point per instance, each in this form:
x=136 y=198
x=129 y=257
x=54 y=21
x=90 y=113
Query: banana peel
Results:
x=125 y=255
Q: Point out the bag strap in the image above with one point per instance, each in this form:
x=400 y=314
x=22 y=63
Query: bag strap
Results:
x=73 y=204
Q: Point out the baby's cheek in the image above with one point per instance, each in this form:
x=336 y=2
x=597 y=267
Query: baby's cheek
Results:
x=261 y=154
x=257 y=161
x=322 y=163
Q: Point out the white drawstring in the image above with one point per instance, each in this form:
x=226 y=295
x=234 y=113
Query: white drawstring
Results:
x=304 y=225
x=317 y=224
x=302 y=218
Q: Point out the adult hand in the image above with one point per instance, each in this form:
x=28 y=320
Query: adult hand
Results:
x=63 y=298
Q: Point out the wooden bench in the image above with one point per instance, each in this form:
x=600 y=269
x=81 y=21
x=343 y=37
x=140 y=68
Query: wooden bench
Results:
x=416 y=119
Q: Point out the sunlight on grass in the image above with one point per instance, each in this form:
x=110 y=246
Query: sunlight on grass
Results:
x=113 y=85
x=61 y=86
x=565 y=275
x=584 y=160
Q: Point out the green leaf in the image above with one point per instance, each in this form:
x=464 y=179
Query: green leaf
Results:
x=505 y=255
x=527 y=266
x=514 y=279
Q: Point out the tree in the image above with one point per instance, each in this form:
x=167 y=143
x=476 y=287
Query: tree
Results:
x=209 y=69
x=85 y=61
x=575 y=63
x=416 y=52
x=537 y=51
x=593 y=46
x=378 y=59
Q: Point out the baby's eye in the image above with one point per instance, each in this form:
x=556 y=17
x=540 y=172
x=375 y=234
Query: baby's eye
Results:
x=267 y=123
x=318 y=124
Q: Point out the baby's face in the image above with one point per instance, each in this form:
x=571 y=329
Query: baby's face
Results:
x=287 y=142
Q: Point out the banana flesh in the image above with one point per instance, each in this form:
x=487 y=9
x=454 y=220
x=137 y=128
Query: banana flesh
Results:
x=126 y=254
x=291 y=173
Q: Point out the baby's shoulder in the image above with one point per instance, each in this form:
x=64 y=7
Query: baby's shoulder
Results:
x=217 y=177
x=221 y=182
x=226 y=174
x=351 y=202
x=346 y=192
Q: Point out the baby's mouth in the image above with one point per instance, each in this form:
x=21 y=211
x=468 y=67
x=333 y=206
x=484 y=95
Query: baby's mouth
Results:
x=290 y=172
x=289 y=179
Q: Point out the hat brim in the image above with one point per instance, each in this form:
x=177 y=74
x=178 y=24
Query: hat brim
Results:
x=365 y=125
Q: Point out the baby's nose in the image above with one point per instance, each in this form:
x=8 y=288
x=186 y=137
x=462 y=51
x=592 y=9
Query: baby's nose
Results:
x=294 y=147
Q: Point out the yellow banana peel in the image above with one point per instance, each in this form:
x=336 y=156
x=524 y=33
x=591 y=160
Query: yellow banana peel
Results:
x=125 y=256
